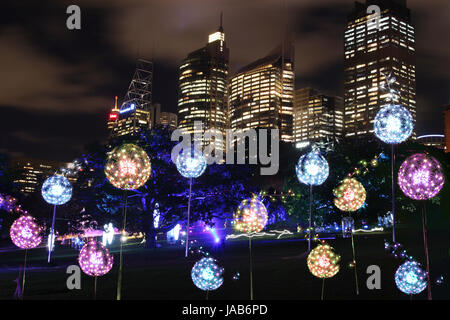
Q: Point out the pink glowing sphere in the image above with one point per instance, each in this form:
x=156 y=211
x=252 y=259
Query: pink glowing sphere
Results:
x=94 y=259
x=26 y=233
x=420 y=177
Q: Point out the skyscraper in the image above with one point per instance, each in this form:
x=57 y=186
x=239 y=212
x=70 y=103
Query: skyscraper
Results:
x=33 y=173
x=202 y=94
x=373 y=50
x=447 y=127
x=168 y=119
x=317 y=117
x=134 y=112
x=261 y=94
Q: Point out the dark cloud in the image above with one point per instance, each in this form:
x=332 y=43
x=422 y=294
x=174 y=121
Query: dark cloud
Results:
x=58 y=85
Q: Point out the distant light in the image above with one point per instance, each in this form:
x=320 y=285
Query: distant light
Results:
x=131 y=107
x=302 y=145
x=431 y=136
x=113 y=116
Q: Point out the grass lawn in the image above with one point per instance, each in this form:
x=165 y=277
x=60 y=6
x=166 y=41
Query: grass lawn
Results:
x=279 y=270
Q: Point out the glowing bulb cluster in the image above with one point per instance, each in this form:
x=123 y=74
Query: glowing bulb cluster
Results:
x=350 y=195
x=207 y=275
x=26 y=233
x=128 y=167
x=393 y=124
x=94 y=259
x=191 y=163
x=312 y=169
x=420 y=177
x=323 y=262
x=410 y=278
x=56 y=190
x=251 y=216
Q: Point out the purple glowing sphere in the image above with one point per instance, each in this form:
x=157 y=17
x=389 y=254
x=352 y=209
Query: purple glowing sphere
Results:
x=420 y=177
x=26 y=233
x=94 y=259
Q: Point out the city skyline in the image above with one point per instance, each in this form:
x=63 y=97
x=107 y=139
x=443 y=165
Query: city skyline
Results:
x=58 y=88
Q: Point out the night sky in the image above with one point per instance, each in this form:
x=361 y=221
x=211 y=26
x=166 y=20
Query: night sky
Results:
x=57 y=85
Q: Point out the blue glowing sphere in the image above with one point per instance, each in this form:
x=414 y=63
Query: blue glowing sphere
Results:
x=312 y=169
x=393 y=124
x=56 y=190
x=191 y=163
x=410 y=278
x=207 y=275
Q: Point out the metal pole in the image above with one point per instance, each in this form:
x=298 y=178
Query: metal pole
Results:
x=354 y=265
x=51 y=234
x=425 y=243
x=310 y=216
x=393 y=191
x=95 y=288
x=188 y=221
x=24 y=269
x=323 y=285
x=251 y=265
x=119 y=280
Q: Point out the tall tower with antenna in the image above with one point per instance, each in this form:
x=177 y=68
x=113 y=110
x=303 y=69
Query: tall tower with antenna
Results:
x=135 y=110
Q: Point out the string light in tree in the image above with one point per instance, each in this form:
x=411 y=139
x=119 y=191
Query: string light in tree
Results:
x=128 y=167
x=421 y=177
x=94 y=259
x=251 y=216
x=191 y=163
x=25 y=232
x=410 y=278
x=312 y=169
x=393 y=124
x=207 y=274
x=56 y=190
x=323 y=262
x=350 y=195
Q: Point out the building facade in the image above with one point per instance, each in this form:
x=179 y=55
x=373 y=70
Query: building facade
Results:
x=33 y=173
x=169 y=119
x=317 y=117
x=134 y=113
x=202 y=94
x=447 y=127
x=432 y=140
x=372 y=51
x=261 y=94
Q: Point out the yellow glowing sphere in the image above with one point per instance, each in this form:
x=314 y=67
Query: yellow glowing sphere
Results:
x=128 y=167
x=251 y=216
x=350 y=195
x=323 y=262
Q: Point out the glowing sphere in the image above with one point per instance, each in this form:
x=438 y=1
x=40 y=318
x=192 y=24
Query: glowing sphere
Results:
x=56 y=190
x=94 y=259
x=207 y=275
x=128 y=167
x=191 y=163
x=323 y=262
x=312 y=169
x=420 y=177
x=393 y=124
x=26 y=233
x=350 y=195
x=410 y=278
x=251 y=216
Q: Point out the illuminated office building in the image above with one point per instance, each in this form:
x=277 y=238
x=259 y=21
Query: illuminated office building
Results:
x=317 y=117
x=32 y=174
x=261 y=94
x=168 y=119
x=113 y=117
x=134 y=113
x=447 y=127
x=371 y=51
x=202 y=94
x=432 y=140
